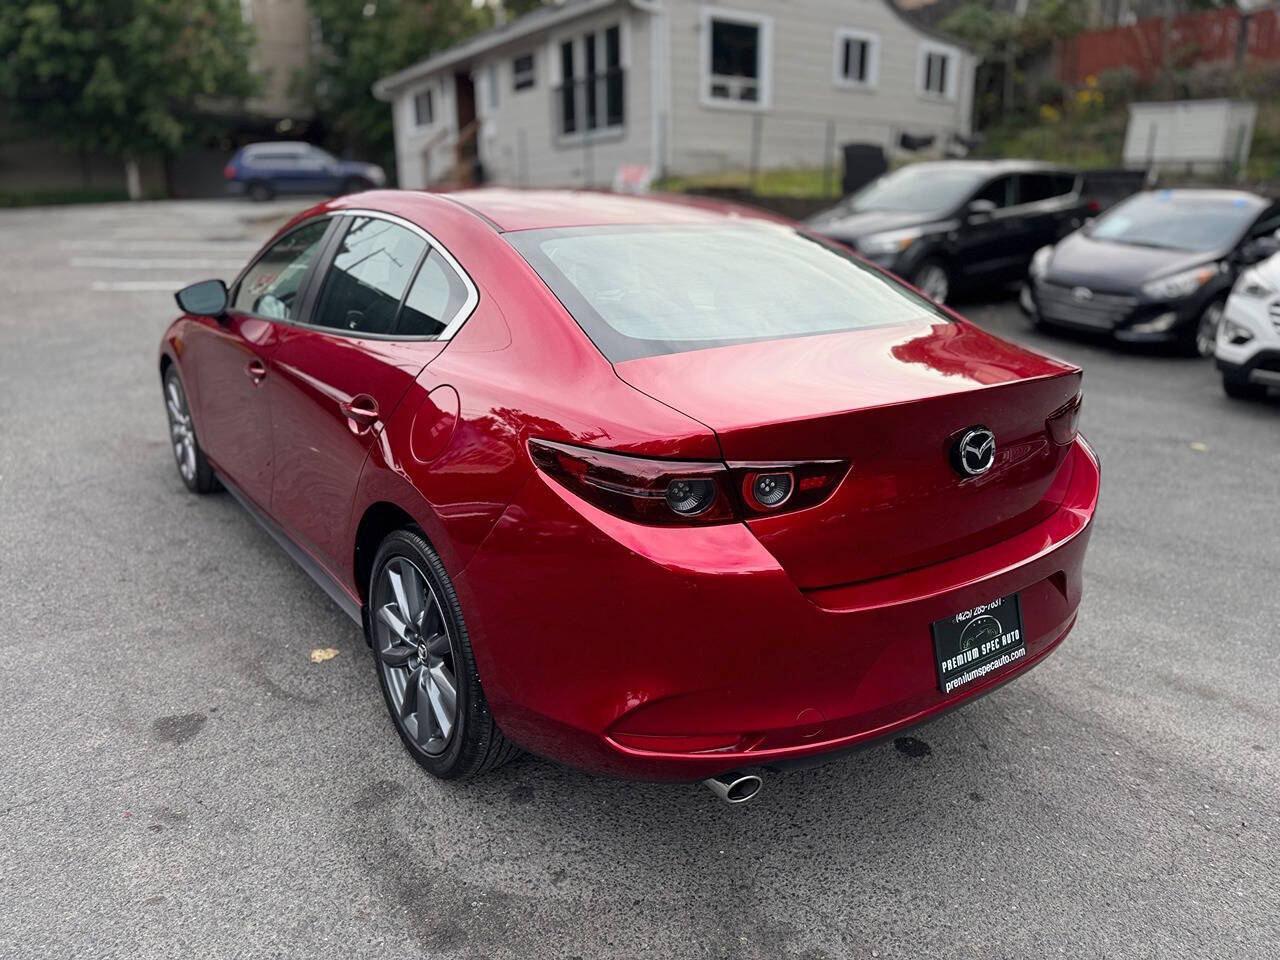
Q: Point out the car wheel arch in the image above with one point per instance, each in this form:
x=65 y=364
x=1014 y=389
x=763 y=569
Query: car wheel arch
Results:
x=378 y=520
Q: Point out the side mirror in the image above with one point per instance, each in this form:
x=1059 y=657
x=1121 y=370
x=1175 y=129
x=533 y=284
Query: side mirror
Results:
x=1255 y=251
x=208 y=298
x=980 y=209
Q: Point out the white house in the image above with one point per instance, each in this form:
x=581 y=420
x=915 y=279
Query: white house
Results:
x=570 y=93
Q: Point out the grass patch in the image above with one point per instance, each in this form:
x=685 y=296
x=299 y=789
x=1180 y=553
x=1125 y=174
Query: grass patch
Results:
x=41 y=198
x=771 y=183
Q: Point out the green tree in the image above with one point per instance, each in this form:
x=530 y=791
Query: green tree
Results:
x=363 y=42
x=1008 y=38
x=123 y=76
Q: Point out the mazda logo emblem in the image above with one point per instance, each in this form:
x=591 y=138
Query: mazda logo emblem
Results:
x=1082 y=294
x=975 y=452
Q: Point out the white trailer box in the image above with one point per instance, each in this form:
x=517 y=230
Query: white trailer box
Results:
x=1207 y=137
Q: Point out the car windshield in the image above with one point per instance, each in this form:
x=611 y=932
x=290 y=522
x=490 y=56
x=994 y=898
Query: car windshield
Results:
x=920 y=188
x=641 y=291
x=1171 y=222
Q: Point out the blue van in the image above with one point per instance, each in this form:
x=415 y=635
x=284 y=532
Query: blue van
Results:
x=262 y=170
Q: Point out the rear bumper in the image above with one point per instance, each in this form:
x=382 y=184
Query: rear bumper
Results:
x=678 y=654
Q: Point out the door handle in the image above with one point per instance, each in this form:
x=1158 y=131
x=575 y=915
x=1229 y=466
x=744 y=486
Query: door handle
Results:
x=256 y=370
x=361 y=410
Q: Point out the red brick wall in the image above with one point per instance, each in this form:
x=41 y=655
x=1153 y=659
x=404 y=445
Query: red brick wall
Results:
x=1195 y=38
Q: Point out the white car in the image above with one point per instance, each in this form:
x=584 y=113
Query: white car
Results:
x=1247 y=350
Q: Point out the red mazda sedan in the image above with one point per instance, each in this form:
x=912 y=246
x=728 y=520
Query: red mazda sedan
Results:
x=657 y=489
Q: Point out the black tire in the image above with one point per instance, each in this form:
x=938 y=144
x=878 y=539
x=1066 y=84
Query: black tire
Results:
x=193 y=466
x=355 y=185
x=474 y=744
x=1200 y=336
x=260 y=191
x=933 y=279
x=1242 y=389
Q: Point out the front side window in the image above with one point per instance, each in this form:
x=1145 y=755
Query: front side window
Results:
x=270 y=288
x=856 y=58
x=423 y=108
x=591 y=75
x=643 y=291
x=522 y=72
x=369 y=274
x=999 y=191
x=1034 y=187
x=736 y=62
x=434 y=299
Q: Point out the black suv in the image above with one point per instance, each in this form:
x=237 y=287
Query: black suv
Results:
x=956 y=223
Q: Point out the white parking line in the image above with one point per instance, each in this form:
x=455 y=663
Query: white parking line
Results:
x=121 y=263
x=137 y=286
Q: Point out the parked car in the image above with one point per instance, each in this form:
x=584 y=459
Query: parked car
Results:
x=653 y=488
x=952 y=223
x=1156 y=268
x=1247 y=350
x=262 y=170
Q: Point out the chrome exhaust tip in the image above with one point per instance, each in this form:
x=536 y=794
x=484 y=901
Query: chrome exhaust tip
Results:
x=734 y=787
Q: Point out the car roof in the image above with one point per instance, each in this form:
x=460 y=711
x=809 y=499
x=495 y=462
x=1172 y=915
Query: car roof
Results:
x=276 y=145
x=997 y=166
x=509 y=209
x=1210 y=193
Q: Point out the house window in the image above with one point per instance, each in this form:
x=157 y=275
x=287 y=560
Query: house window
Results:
x=937 y=67
x=491 y=81
x=522 y=71
x=591 y=90
x=857 y=58
x=424 y=111
x=736 y=58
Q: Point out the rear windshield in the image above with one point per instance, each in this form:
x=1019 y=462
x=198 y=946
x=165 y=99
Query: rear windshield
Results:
x=643 y=291
x=1172 y=222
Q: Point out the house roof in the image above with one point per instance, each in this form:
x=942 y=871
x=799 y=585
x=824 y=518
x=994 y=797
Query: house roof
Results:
x=548 y=16
x=530 y=23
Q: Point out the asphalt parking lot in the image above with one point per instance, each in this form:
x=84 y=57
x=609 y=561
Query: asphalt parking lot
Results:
x=177 y=778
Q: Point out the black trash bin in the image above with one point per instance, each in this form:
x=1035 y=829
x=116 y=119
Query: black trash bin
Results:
x=863 y=162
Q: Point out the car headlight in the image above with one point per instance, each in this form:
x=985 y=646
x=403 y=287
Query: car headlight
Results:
x=1234 y=333
x=885 y=244
x=1180 y=285
x=1040 y=262
x=1251 y=284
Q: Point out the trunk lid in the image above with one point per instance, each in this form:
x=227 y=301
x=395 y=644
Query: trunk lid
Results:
x=892 y=401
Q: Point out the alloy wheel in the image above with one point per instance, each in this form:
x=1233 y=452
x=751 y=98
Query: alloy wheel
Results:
x=181 y=433
x=416 y=655
x=1207 y=329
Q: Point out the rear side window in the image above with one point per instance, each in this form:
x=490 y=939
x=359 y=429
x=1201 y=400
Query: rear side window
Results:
x=642 y=291
x=271 y=286
x=434 y=299
x=370 y=272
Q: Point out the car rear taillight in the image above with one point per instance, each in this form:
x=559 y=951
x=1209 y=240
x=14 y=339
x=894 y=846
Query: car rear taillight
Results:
x=684 y=493
x=229 y=172
x=778 y=488
x=1064 y=423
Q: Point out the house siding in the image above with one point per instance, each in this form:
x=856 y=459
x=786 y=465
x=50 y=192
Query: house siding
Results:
x=805 y=98
x=669 y=126
x=519 y=141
